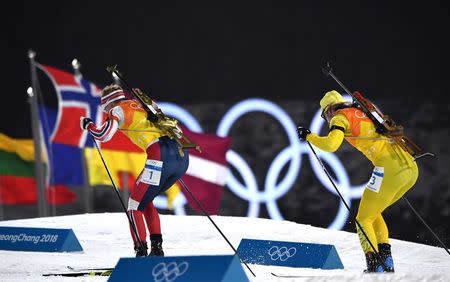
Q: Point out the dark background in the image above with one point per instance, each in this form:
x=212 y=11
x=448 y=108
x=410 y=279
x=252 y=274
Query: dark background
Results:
x=210 y=54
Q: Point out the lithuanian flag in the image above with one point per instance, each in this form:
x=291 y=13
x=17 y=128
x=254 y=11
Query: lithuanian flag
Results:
x=17 y=177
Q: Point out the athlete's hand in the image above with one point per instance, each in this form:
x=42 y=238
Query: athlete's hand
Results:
x=84 y=122
x=302 y=132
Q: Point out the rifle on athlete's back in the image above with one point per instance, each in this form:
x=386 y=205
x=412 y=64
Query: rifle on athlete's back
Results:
x=383 y=123
x=167 y=125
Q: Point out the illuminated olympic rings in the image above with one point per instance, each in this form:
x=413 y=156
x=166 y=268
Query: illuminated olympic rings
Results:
x=292 y=154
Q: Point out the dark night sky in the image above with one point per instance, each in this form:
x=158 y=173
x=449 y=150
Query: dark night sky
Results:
x=224 y=51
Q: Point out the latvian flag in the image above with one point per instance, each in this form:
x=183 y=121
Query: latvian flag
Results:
x=207 y=172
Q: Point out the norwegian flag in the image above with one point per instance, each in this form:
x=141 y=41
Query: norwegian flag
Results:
x=76 y=97
x=62 y=134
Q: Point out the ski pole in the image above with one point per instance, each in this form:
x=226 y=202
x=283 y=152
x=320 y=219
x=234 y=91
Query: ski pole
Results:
x=377 y=255
x=212 y=221
x=426 y=225
x=133 y=226
x=418 y=215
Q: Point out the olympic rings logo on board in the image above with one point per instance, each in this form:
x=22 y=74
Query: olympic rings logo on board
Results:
x=163 y=272
x=281 y=253
x=272 y=189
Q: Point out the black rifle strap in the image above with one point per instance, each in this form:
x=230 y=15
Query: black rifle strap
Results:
x=333 y=127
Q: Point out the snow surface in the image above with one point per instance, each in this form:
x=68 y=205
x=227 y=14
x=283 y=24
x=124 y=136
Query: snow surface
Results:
x=105 y=238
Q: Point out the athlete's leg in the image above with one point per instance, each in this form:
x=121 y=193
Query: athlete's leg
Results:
x=154 y=175
x=379 y=225
x=154 y=227
x=370 y=208
x=381 y=230
x=369 y=217
x=388 y=182
x=148 y=179
x=160 y=168
x=384 y=248
x=138 y=221
x=172 y=171
x=136 y=217
x=152 y=219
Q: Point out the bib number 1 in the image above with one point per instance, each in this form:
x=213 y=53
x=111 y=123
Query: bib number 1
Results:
x=376 y=179
x=152 y=172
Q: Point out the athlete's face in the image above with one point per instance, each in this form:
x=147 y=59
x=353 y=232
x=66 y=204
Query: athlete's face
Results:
x=327 y=113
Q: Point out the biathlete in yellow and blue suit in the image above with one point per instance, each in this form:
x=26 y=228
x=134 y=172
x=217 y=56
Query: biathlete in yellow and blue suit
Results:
x=163 y=167
x=394 y=173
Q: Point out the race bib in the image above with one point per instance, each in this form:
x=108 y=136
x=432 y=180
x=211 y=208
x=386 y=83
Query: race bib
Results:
x=376 y=179
x=152 y=172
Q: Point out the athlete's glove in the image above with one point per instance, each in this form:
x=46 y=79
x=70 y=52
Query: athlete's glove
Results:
x=302 y=132
x=84 y=122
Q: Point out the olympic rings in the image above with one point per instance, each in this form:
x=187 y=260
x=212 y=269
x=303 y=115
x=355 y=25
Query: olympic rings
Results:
x=281 y=253
x=168 y=272
x=273 y=190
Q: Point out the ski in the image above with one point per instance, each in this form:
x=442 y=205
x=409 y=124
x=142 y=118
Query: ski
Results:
x=81 y=273
x=89 y=268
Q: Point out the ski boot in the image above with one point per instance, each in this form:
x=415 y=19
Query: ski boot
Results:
x=141 y=251
x=156 y=248
x=373 y=264
x=385 y=252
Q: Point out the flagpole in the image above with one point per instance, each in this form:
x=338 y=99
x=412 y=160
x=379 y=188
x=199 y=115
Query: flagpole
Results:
x=35 y=125
x=88 y=192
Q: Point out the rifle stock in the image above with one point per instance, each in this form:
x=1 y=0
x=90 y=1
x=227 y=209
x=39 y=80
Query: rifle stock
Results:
x=168 y=126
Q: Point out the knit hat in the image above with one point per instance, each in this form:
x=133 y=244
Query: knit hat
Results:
x=331 y=98
x=111 y=93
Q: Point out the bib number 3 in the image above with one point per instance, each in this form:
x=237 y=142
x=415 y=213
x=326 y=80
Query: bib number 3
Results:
x=376 y=179
x=152 y=172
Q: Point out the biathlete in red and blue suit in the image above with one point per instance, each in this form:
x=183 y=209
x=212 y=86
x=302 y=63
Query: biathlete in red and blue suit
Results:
x=163 y=167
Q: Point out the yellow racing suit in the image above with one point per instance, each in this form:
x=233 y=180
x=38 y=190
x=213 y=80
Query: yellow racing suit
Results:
x=394 y=174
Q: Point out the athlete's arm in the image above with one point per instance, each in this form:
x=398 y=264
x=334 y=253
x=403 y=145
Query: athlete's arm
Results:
x=107 y=130
x=333 y=140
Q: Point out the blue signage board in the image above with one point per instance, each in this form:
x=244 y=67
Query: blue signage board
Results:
x=38 y=239
x=179 y=269
x=289 y=254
